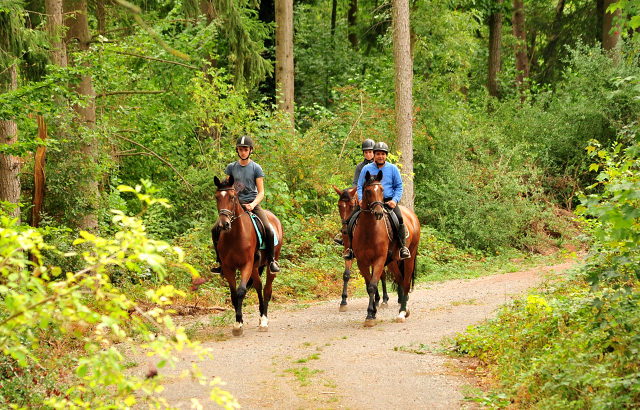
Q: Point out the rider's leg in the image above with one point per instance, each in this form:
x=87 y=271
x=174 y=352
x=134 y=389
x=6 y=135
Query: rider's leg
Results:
x=402 y=235
x=273 y=265
x=215 y=236
x=349 y=253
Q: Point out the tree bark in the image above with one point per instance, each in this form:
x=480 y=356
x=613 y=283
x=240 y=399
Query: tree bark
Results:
x=284 y=56
x=77 y=38
x=519 y=31
x=495 y=42
x=352 y=20
x=334 y=12
x=403 y=67
x=54 y=28
x=39 y=175
x=100 y=13
x=9 y=164
x=550 y=51
x=610 y=34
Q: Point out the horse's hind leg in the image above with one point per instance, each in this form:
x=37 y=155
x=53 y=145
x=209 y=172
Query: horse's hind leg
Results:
x=268 y=289
x=385 y=295
x=257 y=283
x=345 y=277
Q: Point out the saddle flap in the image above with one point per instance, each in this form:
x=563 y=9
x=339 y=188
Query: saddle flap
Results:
x=260 y=231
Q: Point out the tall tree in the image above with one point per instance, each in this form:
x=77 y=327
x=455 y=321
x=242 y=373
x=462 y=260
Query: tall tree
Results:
x=610 y=34
x=352 y=20
x=78 y=38
x=10 y=164
x=403 y=67
x=55 y=30
x=284 y=56
x=519 y=31
x=495 y=42
x=334 y=12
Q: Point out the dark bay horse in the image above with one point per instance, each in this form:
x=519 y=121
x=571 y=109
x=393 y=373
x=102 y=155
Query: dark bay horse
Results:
x=238 y=250
x=346 y=203
x=371 y=243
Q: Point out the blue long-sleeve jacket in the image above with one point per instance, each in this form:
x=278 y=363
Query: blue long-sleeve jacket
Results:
x=391 y=180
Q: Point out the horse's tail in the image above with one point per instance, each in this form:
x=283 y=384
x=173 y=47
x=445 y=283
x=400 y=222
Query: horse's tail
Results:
x=415 y=272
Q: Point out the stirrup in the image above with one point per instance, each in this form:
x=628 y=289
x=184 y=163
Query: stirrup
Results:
x=404 y=253
x=348 y=255
x=338 y=240
x=216 y=269
x=274 y=267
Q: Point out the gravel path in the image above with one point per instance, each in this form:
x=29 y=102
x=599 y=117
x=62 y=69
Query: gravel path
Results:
x=318 y=358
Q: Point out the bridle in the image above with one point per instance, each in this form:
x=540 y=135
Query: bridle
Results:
x=374 y=203
x=352 y=202
x=231 y=214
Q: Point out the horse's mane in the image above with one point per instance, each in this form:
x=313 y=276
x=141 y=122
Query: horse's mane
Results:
x=345 y=195
x=225 y=183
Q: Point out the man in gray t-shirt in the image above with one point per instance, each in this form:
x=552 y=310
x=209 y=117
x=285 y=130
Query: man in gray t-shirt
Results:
x=249 y=185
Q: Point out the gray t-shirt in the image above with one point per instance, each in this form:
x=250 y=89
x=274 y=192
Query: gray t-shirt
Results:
x=245 y=179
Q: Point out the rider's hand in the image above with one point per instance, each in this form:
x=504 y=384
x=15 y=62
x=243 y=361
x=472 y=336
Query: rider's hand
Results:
x=392 y=204
x=249 y=206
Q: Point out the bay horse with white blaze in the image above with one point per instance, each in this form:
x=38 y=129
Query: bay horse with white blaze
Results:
x=371 y=243
x=238 y=249
x=346 y=203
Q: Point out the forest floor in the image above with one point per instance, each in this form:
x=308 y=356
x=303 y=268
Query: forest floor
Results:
x=314 y=357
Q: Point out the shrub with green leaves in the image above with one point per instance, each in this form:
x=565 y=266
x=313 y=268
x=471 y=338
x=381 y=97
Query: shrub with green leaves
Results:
x=41 y=302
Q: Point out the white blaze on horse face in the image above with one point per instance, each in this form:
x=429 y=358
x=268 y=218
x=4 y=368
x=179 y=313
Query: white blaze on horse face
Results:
x=223 y=193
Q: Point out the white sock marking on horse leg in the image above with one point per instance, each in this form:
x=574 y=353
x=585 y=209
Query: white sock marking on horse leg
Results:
x=264 y=322
x=402 y=315
x=237 y=325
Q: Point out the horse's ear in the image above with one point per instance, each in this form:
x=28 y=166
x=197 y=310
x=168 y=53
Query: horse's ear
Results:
x=367 y=176
x=353 y=192
x=216 y=181
x=230 y=180
x=339 y=192
x=379 y=176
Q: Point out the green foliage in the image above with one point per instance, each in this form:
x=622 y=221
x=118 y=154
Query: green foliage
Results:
x=85 y=308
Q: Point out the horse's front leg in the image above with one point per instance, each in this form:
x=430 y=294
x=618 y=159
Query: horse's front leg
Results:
x=230 y=276
x=345 y=277
x=245 y=274
x=268 y=290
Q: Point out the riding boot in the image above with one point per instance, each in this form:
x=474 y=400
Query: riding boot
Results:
x=273 y=265
x=348 y=255
x=338 y=239
x=402 y=238
x=215 y=235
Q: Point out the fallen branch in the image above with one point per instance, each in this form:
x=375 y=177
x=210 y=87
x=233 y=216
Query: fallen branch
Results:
x=159 y=157
x=153 y=58
x=104 y=94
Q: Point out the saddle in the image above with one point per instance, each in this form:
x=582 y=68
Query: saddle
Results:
x=260 y=231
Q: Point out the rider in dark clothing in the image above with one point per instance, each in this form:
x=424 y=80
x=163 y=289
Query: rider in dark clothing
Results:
x=367 y=152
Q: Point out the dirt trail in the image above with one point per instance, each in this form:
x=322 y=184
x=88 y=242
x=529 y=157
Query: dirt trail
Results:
x=318 y=358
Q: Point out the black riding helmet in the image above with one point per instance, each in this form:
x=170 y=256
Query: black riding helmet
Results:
x=381 y=146
x=368 y=144
x=244 y=141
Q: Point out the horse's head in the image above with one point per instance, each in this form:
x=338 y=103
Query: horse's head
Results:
x=348 y=199
x=373 y=194
x=227 y=201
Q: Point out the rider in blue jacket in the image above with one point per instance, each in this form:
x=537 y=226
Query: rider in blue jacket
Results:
x=392 y=185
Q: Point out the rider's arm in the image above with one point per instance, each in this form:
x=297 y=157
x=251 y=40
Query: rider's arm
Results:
x=356 y=174
x=260 y=196
x=360 y=183
x=397 y=185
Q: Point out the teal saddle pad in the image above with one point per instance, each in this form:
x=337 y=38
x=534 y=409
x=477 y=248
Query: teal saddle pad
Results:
x=254 y=217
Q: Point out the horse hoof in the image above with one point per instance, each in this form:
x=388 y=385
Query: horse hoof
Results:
x=263 y=328
x=343 y=308
x=402 y=316
x=369 y=323
x=400 y=320
x=384 y=305
x=238 y=329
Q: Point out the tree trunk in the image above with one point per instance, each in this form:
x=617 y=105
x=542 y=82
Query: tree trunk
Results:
x=334 y=12
x=403 y=67
x=77 y=38
x=39 y=175
x=101 y=17
x=9 y=164
x=610 y=34
x=352 y=20
x=284 y=56
x=54 y=28
x=495 y=42
x=549 y=52
x=519 y=31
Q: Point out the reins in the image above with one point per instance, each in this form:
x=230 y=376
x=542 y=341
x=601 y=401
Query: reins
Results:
x=374 y=203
